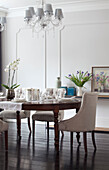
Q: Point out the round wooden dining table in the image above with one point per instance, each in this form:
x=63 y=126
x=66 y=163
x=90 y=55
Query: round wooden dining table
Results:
x=55 y=106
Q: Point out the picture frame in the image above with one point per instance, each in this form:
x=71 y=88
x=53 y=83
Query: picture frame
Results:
x=100 y=80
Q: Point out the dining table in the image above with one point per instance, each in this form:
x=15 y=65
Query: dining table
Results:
x=47 y=105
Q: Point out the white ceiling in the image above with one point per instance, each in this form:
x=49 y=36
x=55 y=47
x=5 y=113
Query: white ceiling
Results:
x=22 y=3
x=16 y=6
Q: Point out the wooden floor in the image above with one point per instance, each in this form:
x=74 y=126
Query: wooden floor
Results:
x=40 y=154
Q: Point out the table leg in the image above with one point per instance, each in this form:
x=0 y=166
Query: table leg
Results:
x=56 y=110
x=18 y=124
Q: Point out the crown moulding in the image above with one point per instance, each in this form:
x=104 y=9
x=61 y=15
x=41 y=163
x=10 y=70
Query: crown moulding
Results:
x=85 y=5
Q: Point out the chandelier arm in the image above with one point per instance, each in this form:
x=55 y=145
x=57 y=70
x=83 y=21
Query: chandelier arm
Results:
x=54 y=24
x=35 y=23
x=35 y=30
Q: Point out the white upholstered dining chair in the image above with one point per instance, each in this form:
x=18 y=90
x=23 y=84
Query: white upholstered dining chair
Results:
x=84 y=120
x=11 y=114
x=4 y=128
x=48 y=116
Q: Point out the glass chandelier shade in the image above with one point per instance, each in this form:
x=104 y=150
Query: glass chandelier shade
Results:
x=2 y=23
x=43 y=18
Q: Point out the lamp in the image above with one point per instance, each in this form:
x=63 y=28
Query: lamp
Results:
x=2 y=23
x=43 y=18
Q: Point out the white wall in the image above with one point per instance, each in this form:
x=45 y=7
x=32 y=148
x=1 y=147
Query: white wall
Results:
x=84 y=42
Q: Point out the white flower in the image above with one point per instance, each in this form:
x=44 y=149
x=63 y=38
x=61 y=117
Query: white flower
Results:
x=6 y=69
x=14 y=67
x=11 y=68
x=14 y=64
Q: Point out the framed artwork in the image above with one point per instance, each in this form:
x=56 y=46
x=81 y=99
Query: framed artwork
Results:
x=100 y=80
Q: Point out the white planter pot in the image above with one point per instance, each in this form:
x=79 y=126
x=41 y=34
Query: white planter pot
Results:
x=79 y=92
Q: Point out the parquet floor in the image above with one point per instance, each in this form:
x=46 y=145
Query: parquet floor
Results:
x=41 y=155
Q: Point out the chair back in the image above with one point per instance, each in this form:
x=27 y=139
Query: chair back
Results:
x=87 y=112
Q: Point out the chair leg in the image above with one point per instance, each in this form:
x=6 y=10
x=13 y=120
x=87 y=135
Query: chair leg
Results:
x=78 y=138
x=85 y=141
x=71 y=138
x=33 y=127
x=48 y=129
x=6 y=140
x=93 y=139
x=62 y=133
x=18 y=124
x=29 y=125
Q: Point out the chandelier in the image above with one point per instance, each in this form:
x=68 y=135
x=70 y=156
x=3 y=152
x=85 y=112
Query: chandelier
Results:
x=2 y=23
x=43 y=18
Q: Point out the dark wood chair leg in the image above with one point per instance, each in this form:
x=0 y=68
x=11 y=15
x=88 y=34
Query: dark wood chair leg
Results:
x=29 y=125
x=93 y=140
x=78 y=138
x=62 y=133
x=6 y=140
x=48 y=129
x=71 y=138
x=85 y=141
x=33 y=127
x=18 y=124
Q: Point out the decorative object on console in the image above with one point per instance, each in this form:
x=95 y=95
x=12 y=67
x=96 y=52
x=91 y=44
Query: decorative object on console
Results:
x=2 y=23
x=100 y=81
x=11 y=69
x=80 y=79
x=71 y=91
x=58 y=82
x=43 y=18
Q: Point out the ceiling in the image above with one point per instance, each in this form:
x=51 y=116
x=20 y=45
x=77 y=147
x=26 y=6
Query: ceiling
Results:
x=22 y=3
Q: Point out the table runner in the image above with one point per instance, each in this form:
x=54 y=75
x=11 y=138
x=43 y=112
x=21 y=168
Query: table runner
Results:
x=9 y=105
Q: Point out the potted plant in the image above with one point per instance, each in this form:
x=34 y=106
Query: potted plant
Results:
x=11 y=68
x=80 y=79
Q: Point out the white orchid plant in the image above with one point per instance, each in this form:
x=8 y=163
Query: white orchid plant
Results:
x=11 y=68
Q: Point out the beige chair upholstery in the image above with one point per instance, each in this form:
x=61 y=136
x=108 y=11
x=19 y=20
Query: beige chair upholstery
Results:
x=48 y=116
x=4 y=128
x=20 y=93
x=10 y=114
x=84 y=120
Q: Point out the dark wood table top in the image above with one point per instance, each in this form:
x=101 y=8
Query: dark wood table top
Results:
x=51 y=105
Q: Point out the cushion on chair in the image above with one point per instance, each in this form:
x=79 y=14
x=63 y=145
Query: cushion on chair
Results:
x=3 y=126
x=47 y=116
x=10 y=114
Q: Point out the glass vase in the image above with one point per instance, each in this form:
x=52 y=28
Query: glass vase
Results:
x=10 y=94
